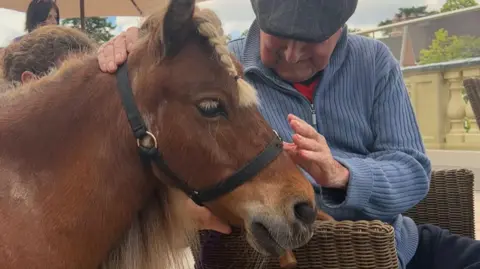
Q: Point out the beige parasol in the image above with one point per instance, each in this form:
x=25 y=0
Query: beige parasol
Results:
x=91 y=8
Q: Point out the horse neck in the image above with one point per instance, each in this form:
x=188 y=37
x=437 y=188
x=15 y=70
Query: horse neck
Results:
x=66 y=143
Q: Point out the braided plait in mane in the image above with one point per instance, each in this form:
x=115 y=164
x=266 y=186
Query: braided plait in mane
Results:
x=207 y=28
x=218 y=43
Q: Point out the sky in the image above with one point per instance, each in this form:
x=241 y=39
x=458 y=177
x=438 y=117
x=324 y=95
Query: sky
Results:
x=236 y=16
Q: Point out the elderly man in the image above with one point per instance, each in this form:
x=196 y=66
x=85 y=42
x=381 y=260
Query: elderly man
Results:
x=341 y=102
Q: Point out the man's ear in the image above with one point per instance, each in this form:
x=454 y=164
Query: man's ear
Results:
x=27 y=76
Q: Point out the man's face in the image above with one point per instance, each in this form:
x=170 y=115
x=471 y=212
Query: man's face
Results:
x=296 y=61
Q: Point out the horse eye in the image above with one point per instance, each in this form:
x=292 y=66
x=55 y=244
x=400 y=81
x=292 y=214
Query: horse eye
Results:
x=211 y=109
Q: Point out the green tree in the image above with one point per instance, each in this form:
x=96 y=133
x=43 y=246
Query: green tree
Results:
x=244 y=33
x=451 y=5
x=446 y=48
x=228 y=37
x=97 y=28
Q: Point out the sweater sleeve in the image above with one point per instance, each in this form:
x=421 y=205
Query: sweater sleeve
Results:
x=395 y=176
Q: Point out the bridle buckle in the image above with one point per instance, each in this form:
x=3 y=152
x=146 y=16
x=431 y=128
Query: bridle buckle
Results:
x=148 y=141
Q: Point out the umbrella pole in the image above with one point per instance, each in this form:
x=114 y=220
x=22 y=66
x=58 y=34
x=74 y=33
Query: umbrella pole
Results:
x=82 y=14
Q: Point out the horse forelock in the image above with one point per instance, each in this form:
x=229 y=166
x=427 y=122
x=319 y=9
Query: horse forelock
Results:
x=208 y=25
x=214 y=34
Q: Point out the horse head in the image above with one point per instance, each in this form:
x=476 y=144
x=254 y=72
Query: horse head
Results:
x=196 y=106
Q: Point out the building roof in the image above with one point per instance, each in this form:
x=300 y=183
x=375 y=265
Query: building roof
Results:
x=422 y=34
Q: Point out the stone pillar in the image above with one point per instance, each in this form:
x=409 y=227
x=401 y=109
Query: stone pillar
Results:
x=455 y=137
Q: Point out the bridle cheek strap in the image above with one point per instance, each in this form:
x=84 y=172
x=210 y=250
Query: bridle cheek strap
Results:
x=151 y=154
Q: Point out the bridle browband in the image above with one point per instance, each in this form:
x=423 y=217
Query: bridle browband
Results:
x=151 y=153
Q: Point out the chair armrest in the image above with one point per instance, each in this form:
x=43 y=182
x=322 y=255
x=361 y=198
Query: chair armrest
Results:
x=449 y=203
x=335 y=244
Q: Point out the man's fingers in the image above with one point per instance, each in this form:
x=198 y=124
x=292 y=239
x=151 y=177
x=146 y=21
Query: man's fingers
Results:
x=131 y=36
x=120 y=49
x=102 y=60
x=208 y=221
x=307 y=143
x=307 y=160
x=312 y=161
x=289 y=146
x=309 y=156
x=302 y=128
x=108 y=53
x=293 y=151
x=292 y=117
x=323 y=216
x=217 y=225
x=114 y=52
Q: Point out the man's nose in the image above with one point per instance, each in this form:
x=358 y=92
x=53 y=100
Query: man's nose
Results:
x=293 y=52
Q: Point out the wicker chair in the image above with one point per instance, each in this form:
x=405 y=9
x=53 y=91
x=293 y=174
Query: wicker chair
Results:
x=356 y=244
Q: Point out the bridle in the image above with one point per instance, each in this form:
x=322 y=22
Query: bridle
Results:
x=151 y=153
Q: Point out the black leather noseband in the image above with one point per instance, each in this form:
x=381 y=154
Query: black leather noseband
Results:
x=152 y=154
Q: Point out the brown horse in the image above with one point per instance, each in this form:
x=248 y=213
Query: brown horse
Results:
x=76 y=194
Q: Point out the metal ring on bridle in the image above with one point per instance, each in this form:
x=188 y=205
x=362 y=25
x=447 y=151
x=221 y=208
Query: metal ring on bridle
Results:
x=146 y=136
x=276 y=133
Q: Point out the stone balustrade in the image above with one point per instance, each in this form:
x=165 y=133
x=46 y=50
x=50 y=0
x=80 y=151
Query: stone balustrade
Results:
x=445 y=117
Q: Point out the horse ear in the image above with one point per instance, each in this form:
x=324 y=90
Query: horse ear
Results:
x=177 y=25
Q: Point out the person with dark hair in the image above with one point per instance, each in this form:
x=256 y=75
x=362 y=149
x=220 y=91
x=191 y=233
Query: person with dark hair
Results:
x=40 y=13
x=42 y=50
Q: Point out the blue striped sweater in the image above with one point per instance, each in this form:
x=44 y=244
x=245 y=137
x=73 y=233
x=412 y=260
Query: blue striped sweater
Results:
x=362 y=107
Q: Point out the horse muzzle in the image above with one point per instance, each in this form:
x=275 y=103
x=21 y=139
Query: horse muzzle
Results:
x=273 y=234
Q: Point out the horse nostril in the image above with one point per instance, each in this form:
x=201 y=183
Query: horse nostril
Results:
x=305 y=213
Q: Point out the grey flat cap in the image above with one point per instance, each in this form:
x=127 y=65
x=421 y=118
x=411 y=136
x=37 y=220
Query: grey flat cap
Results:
x=304 y=20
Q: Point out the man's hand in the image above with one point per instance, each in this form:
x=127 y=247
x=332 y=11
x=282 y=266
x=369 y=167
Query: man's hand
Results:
x=114 y=52
x=310 y=150
x=205 y=219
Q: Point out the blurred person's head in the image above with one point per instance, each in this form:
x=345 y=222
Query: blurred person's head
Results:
x=297 y=38
x=41 y=13
x=42 y=50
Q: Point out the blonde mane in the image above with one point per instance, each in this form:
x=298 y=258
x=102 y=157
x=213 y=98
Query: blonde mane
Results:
x=158 y=237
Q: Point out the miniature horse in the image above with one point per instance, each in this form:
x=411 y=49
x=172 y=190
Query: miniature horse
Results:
x=75 y=192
